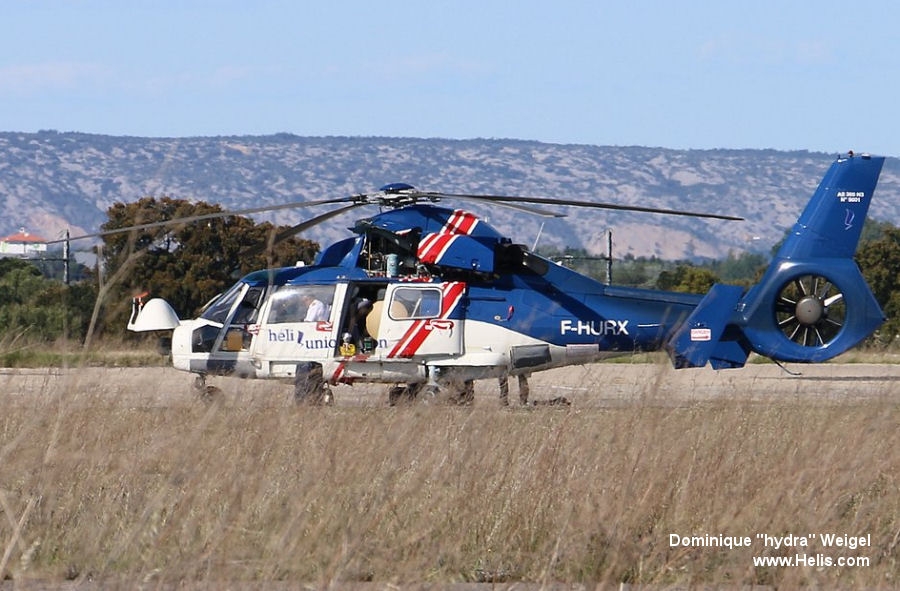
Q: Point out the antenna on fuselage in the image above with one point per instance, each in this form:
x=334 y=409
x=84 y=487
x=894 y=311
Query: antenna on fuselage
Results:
x=538 y=237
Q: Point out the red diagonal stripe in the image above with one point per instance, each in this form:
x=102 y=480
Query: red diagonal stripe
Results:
x=434 y=246
x=452 y=294
x=461 y=222
x=412 y=335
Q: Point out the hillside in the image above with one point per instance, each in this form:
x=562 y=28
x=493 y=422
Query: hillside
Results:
x=50 y=181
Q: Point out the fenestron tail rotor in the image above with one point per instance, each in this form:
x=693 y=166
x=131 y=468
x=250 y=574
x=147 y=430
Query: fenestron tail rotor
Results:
x=810 y=310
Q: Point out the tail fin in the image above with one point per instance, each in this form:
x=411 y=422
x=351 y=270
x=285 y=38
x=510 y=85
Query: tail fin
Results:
x=812 y=303
x=832 y=221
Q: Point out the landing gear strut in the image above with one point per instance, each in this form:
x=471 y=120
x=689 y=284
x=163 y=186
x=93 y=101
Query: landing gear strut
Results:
x=310 y=387
x=524 y=390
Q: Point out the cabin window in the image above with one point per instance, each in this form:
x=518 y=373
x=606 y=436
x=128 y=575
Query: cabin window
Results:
x=415 y=302
x=301 y=303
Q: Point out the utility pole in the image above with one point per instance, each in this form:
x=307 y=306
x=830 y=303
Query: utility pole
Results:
x=609 y=257
x=66 y=258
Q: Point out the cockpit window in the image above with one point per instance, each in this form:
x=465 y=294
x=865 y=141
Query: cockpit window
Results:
x=248 y=309
x=218 y=309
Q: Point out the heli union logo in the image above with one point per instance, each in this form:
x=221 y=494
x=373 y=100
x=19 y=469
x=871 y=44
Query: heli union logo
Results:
x=285 y=335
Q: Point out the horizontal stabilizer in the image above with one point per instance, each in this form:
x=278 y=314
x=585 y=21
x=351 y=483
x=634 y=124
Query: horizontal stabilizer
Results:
x=697 y=339
x=732 y=350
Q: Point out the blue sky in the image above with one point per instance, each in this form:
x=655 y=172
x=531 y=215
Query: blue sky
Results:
x=820 y=76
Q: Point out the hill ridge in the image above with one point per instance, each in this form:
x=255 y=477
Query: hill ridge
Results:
x=53 y=180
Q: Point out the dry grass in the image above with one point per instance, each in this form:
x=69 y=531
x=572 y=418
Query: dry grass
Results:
x=95 y=484
x=110 y=353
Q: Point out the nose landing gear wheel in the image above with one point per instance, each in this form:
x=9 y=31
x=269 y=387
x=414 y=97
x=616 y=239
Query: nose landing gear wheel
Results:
x=810 y=310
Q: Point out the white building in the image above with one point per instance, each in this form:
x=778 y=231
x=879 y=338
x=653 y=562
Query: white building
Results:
x=22 y=244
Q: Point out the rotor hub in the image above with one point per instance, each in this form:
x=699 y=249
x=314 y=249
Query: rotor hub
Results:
x=810 y=310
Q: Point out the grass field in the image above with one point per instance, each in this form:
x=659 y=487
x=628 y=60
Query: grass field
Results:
x=119 y=475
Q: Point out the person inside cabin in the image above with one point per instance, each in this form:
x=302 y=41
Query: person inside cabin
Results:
x=358 y=330
x=316 y=310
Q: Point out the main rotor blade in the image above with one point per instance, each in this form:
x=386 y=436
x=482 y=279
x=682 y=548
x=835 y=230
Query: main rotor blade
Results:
x=285 y=234
x=576 y=203
x=208 y=216
x=433 y=197
x=526 y=209
x=413 y=195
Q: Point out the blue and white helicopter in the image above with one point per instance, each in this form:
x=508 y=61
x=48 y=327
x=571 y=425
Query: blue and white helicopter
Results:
x=428 y=299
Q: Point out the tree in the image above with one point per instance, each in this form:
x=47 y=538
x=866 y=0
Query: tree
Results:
x=879 y=261
x=745 y=268
x=687 y=279
x=184 y=263
x=39 y=309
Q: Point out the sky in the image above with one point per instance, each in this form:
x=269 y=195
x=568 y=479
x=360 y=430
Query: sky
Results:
x=822 y=76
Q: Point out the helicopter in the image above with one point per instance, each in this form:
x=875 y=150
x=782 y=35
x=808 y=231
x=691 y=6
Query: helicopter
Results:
x=427 y=299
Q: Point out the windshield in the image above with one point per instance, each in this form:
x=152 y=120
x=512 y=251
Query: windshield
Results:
x=218 y=308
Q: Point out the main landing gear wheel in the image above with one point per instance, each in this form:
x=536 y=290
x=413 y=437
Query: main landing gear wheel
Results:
x=207 y=394
x=810 y=310
x=462 y=394
x=403 y=393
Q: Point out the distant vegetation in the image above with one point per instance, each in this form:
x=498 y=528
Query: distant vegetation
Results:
x=656 y=273
x=186 y=265
x=35 y=308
